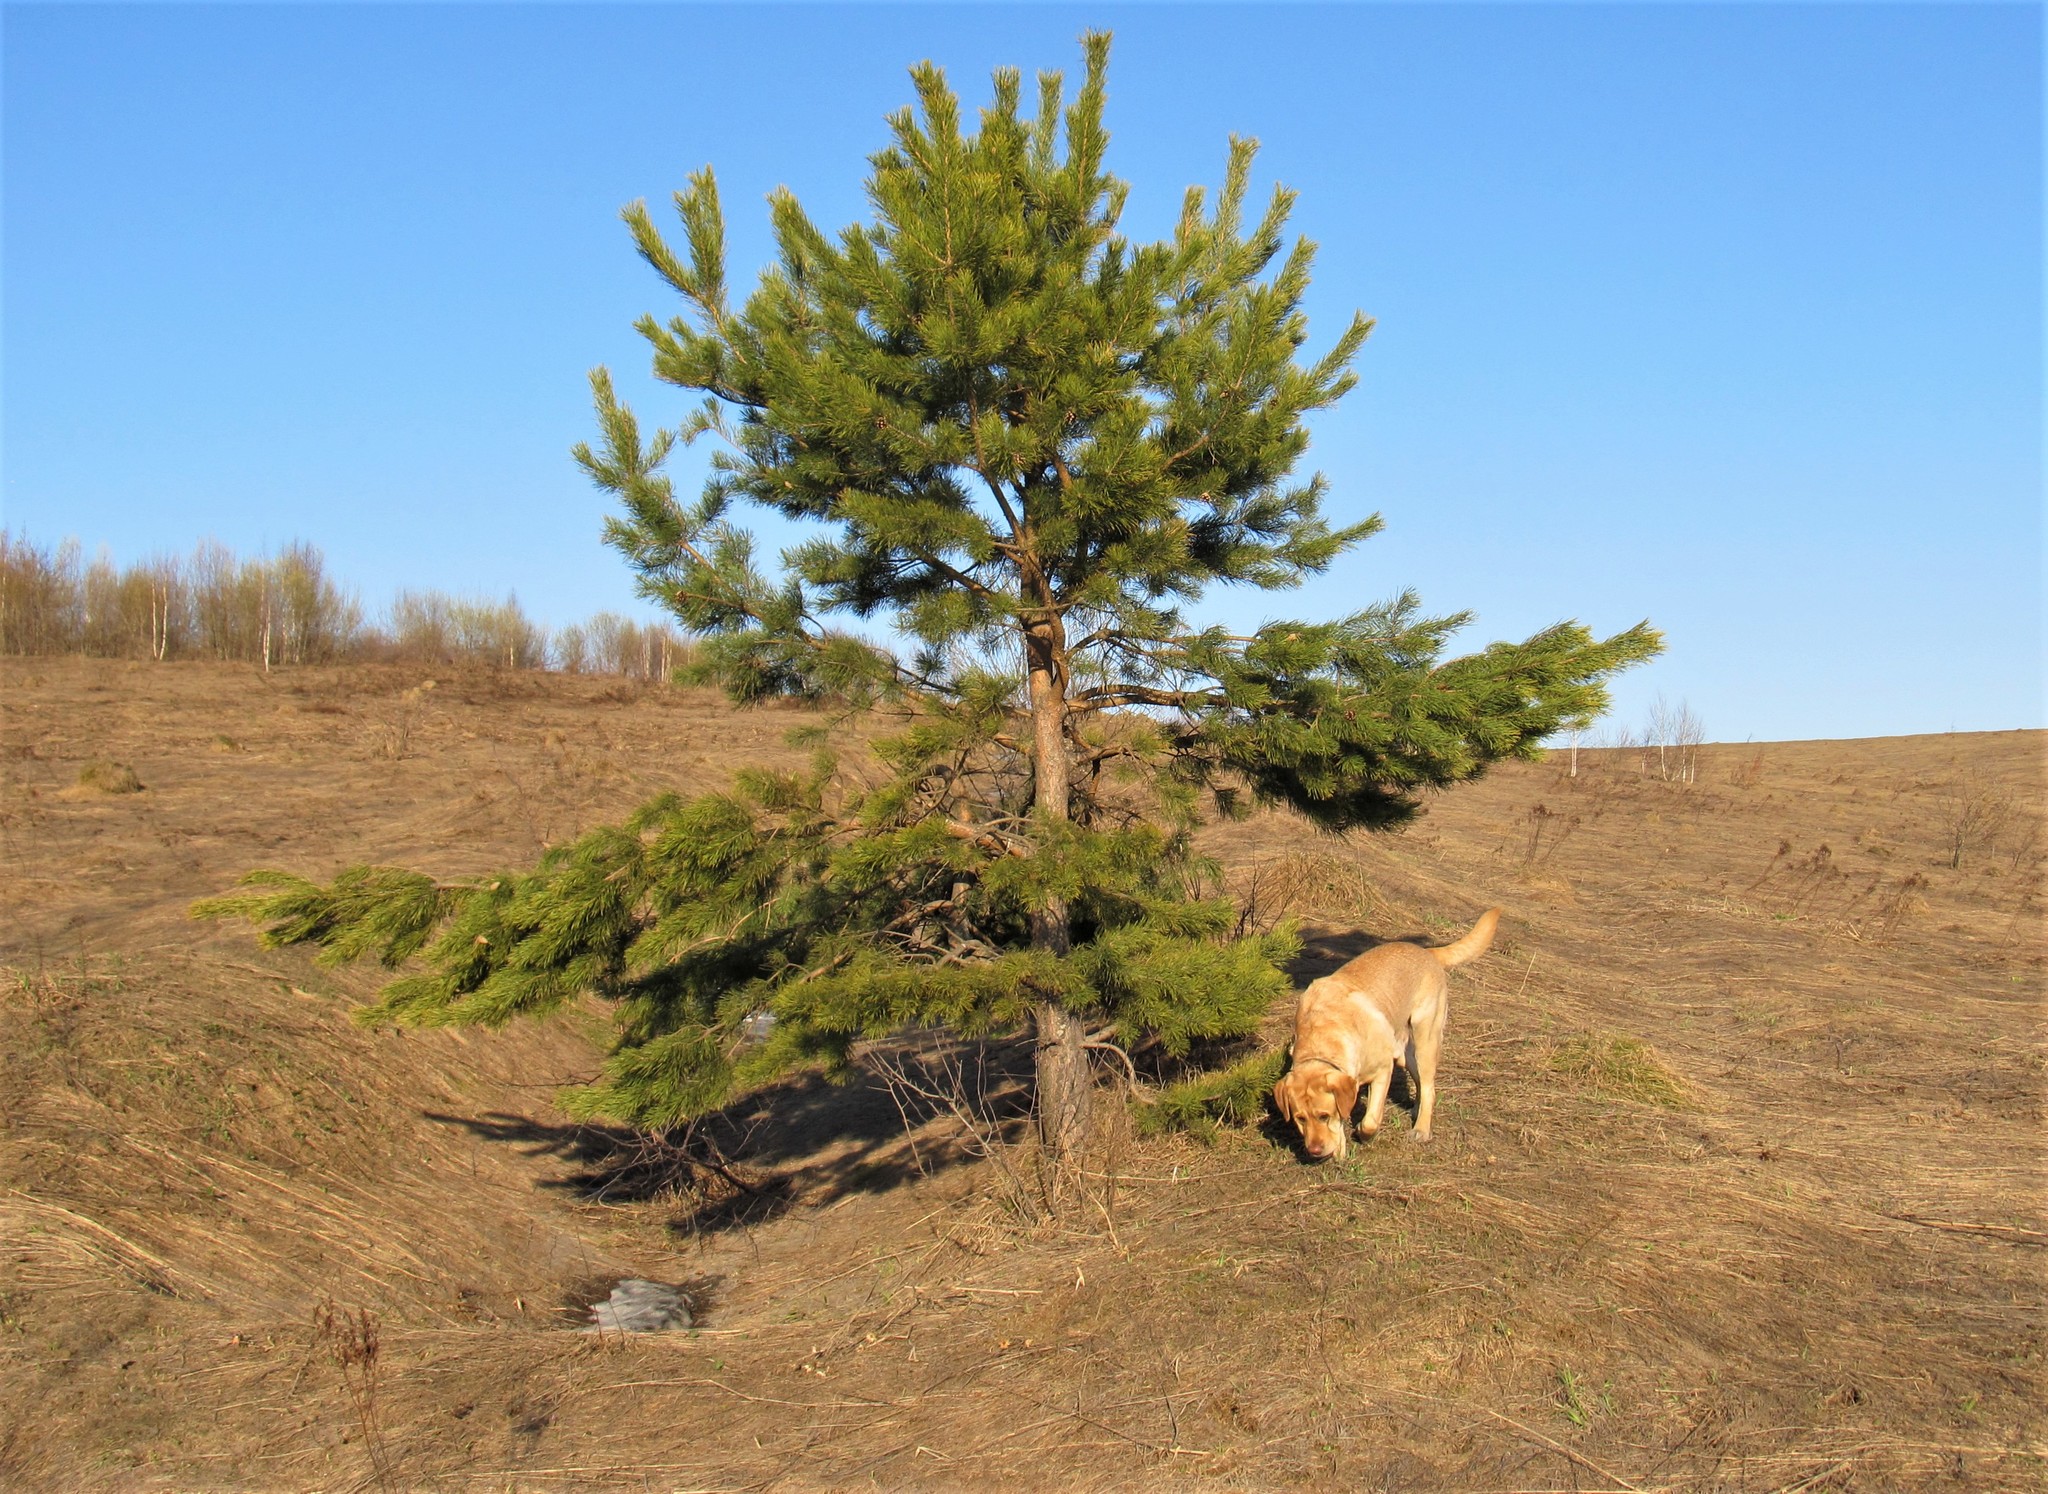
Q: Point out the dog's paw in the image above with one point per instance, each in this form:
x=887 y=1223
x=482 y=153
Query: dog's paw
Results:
x=1421 y=1138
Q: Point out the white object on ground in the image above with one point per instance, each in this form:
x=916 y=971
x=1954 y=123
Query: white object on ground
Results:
x=637 y=1306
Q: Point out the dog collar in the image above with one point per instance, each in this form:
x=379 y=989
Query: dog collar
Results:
x=1328 y=1062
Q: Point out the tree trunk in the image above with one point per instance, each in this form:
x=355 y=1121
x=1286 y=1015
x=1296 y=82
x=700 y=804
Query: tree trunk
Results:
x=1065 y=1087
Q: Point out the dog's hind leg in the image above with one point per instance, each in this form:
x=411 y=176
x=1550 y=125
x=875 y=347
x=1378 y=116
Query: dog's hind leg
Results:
x=1425 y=1042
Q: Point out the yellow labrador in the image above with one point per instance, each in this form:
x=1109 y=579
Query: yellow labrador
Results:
x=1352 y=1026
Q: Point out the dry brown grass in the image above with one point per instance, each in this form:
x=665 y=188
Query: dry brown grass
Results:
x=1305 y=884
x=1737 y=1182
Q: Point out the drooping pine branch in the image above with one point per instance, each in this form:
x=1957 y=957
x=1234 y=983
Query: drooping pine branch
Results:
x=706 y=921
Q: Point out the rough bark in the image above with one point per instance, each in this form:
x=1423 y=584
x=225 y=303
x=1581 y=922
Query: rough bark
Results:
x=1065 y=1087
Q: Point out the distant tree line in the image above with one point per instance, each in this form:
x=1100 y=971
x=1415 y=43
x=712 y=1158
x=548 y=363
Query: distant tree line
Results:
x=286 y=609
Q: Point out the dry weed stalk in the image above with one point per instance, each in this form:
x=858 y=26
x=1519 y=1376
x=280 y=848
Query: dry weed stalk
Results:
x=1813 y=886
x=1546 y=831
x=1748 y=774
x=350 y=1338
x=396 y=729
x=1799 y=881
x=1892 y=908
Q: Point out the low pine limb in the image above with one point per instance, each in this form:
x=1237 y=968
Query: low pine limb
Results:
x=738 y=937
x=1236 y=1095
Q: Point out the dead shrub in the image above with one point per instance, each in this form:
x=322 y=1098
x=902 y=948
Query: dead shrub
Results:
x=400 y=720
x=2025 y=846
x=986 y=1118
x=1312 y=884
x=1974 y=817
x=924 y=1085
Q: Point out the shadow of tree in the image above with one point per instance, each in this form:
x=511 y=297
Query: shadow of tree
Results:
x=810 y=1139
x=807 y=1139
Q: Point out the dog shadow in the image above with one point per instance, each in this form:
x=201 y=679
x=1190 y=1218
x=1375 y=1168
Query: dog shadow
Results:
x=1325 y=950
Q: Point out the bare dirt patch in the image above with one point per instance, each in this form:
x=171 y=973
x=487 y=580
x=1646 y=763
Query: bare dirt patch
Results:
x=1738 y=1181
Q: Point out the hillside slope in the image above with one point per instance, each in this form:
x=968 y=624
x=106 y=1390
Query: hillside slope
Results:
x=1738 y=1178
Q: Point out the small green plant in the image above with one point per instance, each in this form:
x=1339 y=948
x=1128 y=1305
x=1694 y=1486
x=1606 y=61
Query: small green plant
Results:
x=1571 y=1403
x=1618 y=1068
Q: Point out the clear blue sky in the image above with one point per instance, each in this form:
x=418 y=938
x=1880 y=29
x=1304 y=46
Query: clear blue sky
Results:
x=1729 y=317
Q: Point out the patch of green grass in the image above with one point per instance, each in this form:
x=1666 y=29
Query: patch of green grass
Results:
x=1618 y=1068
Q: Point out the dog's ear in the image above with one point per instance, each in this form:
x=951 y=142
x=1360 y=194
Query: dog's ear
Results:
x=1346 y=1089
x=1280 y=1101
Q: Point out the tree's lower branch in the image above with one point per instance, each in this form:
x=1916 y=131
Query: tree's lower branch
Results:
x=1106 y=697
x=987 y=839
x=1109 y=1047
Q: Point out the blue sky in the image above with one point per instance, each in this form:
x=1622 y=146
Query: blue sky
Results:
x=1729 y=317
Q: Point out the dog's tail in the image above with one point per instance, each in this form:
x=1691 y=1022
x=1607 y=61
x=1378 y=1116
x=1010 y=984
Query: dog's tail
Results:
x=1473 y=945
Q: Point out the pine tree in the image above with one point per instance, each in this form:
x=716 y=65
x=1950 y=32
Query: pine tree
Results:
x=1028 y=445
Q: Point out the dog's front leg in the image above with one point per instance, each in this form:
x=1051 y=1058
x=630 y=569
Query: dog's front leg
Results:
x=1376 y=1102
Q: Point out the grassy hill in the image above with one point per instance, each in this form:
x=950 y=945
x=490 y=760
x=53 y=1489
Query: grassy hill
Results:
x=1738 y=1181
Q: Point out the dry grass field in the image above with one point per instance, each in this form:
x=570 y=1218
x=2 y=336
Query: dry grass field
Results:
x=1738 y=1181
